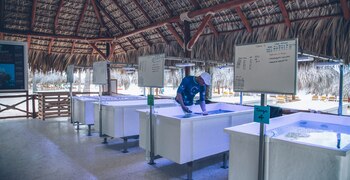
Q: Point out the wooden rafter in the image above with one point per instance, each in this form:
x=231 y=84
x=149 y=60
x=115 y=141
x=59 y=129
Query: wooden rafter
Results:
x=192 y=14
x=199 y=32
x=345 y=9
x=197 y=6
x=215 y=8
x=97 y=13
x=130 y=20
x=81 y=17
x=33 y=14
x=213 y=29
x=57 y=15
x=29 y=40
x=115 y=24
x=176 y=35
x=73 y=46
x=244 y=19
x=149 y=19
x=50 y=45
x=163 y=3
x=284 y=13
x=47 y=35
x=94 y=47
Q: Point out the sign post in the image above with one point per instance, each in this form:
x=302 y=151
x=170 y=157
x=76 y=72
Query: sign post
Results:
x=151 y=74
x=70 y=80
x=262 y=116
x=99 y=77
x=269 y=67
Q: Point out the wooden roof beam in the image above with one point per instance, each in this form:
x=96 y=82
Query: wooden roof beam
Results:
x=163 y=3
x=176 y=35
x=57 y=14
x=199 y=32
x=94 y=47
x=130 y=20
x=192 y=14
x=50 y=45
x=215 y=8
x=33 y=14
x=284 y=13
x=149 y=19
x=244 y=19
x=81 y=16
x=97 y=13
x=345 y=9
x=110 y=18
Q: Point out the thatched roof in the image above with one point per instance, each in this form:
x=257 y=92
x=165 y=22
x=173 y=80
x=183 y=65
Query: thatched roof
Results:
x=64 y=32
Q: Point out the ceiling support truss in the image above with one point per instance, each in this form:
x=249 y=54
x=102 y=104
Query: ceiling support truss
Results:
x=284 y=12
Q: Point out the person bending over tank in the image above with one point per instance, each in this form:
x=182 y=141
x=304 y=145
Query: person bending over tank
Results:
x=189 y=87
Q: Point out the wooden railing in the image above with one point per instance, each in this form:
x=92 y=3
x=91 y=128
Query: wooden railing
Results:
x=55 y=104
x=12 y=103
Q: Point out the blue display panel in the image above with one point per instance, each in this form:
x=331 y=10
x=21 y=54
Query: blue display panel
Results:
x=13 y=66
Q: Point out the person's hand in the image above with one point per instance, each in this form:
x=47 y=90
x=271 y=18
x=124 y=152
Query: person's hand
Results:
x=186 y=109
x=205 y=113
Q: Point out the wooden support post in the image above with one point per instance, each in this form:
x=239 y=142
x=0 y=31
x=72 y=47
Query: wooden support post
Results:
x=29 y=39
x=187 y=37
x=1 y=36
x=50 y=45
x=73 y=46
x=33 y=106
x=27 y=104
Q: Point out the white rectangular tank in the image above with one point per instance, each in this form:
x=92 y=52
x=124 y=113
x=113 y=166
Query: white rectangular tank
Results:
x=185 y=138
x=83 y=108
x=120 y=119
x=299 y=146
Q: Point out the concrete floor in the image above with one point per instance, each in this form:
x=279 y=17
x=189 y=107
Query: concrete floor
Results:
x=53 y=149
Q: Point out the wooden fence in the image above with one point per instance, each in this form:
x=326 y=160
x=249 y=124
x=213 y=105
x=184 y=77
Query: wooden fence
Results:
x=13 y=102
x=50 y=104
x=55 y=104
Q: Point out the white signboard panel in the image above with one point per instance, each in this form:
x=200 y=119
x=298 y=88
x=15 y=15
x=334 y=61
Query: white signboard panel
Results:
x=266 y=67
x=99 y=75
x=70 y=74
x=151 y=71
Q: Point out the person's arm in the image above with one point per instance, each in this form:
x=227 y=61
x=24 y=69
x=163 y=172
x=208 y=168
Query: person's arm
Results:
x=202 y=101
x=179 y=97
x=180 y=100
x=203 y=107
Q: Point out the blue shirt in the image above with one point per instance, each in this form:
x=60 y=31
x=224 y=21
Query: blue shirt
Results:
x=189 y=88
